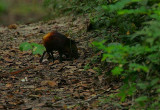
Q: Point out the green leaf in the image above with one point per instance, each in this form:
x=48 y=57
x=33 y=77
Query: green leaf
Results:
x=38 y=49
x=117 y=70
x=141 y=99
x=122 y=95
x=105 y=7
x=25 y=46
x=142 y=85
x=158 y=90
x=138 y=67
x=132 y=90
x=154 y=81
x=3 y=6
x=34 y=44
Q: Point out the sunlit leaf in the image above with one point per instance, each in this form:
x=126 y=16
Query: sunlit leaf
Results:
x=117 y=70
x=38 y=49
x=141 y=98
x=25 y=46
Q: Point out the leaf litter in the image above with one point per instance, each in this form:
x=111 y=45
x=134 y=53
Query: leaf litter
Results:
x=50 y=85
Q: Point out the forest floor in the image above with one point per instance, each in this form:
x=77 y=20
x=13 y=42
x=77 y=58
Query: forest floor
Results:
x=50 y=85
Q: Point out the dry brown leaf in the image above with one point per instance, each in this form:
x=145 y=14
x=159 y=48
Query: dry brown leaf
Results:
x=1 y=62
x=92 y=71
x=56 y=61
x=8 y=59
x=40 y=104
x=34 y=109
x=84 y=85
x=9 y=85
x=10 y=96
x=44 y=83
x=106 y=106
x=1 y=107
x=53 y=100
x=13 y=77
x=18 y=63
x=50 y=64
x=65 y=107
x=79 y=65
x=48 y=82
x=76 y=94
x=115 y=87
x=13 y=26
x=86 y=93
x=52 y=83
x=40 y=88
x=101 y=77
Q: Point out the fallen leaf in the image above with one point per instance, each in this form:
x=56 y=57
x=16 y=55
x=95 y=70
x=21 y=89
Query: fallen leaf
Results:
x=86 y=93
x=48 y=82
x=52 y=83
x=43 y=83
x=1 y=107
x=53 y=100
x=50 y=64
x=84 y=85
x=65 y=107
x=56 y=61
x=41 y=88
x=18 y=63
x=8 y=59
x=9 y=85
x=92 y=71
x=12 y=26
x=76 y=94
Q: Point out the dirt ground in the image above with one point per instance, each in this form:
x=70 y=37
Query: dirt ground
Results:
x=49 y=85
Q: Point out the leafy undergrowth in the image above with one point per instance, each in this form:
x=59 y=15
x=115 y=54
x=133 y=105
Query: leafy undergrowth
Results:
x=51 y=85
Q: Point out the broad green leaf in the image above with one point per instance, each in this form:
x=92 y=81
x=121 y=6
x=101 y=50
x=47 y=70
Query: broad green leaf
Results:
x=141 y=99
x=158 y=90
x=143 y=85
x=117 y=70
x=132 y=90
x=154 y=81
x=25 y=46
x=38 y=49
x=138 y=67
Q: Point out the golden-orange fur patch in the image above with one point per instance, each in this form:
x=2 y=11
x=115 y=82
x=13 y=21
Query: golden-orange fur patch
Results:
x=47 y=37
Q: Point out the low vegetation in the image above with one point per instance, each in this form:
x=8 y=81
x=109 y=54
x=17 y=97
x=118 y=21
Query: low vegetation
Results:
x=126 y=46
x=129 y=39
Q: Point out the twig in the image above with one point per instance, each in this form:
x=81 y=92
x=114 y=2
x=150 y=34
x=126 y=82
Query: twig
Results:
x=22 y=70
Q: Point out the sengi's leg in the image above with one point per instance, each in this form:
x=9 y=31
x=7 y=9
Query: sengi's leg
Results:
x=42 y=56
x=60 y=56
x=52 y=56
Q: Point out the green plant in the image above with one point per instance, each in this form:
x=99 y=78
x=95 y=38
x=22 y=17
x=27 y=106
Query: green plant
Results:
x=133 y=47
x=36 y=48
x=3 y=6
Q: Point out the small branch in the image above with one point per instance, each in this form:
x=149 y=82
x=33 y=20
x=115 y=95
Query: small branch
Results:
x=22 y=70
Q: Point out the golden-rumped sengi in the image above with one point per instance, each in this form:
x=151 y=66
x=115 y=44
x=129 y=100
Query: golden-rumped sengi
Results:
x=55 y=41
